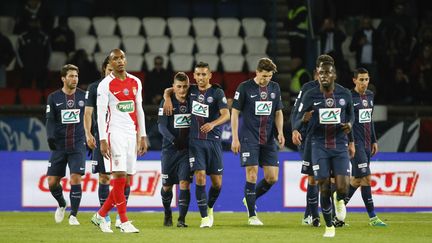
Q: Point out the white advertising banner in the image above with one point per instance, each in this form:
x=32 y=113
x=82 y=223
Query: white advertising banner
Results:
x=145 y=187
x=394 y=184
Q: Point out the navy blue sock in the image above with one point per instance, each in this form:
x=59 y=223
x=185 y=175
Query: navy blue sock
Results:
x=103 y=193
x=326 y=209
x=75 y=198
x=166 y=200
x=332 y=189
x=57 y=193
x=184 y=199
x=213 y=196
x=262 y=188
x=127 y=192
x=351 y=192
x=201 y=197
x=250 y=196
x=367 y=199
x=312 y=200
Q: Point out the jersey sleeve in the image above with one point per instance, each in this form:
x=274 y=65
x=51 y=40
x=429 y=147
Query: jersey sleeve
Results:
x=221 y=99
x=163 y=124
x=279 y=104
x=239 y=97
x=349 y=110
x=140 y=110
x=102 y=108
x=373 y=134
x=90 y=96
x=304 y=105
x=50 y=117
x=294 y=109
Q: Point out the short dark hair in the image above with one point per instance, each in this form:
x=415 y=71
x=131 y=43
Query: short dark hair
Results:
x=181 y=76
x=202 y=65
x=323 y=58
x=266 y=64
x=104 y=66
x=328 y=64
x=67 y=68
x=360 y=70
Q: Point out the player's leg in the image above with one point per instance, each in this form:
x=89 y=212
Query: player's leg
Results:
x=167 y=195
x=169 y=178
x=307 y=219
x=214 y=192
x=312 y=187
x=358 y=170
x=56 y=170
x=249 y=157
x=368 y=201
x=76 y=162
x=340 y=164
x=268 y=158
x=185 y=177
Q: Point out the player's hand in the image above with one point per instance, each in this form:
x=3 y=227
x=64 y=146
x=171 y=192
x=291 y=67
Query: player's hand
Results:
x=104 y=149
x=206 y=128
x=351 y=150
x=281 y=140
x=307 y=116
x=346 y=127
x=296 y=137
x=168 y=107
x=374 y=149
x=235 y=146
x=142 y=146
x=51 y=144
x=91 y=141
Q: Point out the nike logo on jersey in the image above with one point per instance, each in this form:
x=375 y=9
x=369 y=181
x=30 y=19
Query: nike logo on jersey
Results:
x=57 y=104
x=115 y=93
x=356 y=104
x=253 y=96
x=317 y=103
x=220 y=170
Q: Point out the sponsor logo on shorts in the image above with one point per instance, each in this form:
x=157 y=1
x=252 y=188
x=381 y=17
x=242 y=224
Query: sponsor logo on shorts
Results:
x=164 y=176
x=236 y=96
x=315 y=167
x=363 y=165
x=305 y=163
x=245 y=154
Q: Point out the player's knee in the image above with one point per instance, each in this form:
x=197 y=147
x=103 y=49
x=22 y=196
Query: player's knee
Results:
x=271 y=179
x=75 y=179
x=184 y=185
x=167 y=188
x=104 y=179
x=200 y=178
x=312 y=181
x=365 y=181
x=252 y=177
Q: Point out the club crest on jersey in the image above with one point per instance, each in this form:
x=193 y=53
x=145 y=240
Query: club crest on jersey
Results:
x=81 y=103
x=273 y=96
x=183 y=109
x=263 y=95
x=329 y=102
x=365 y=103
x=201 y=98
x=70 y=103
x=342 y=102
x=210 y=99
x=126 y=92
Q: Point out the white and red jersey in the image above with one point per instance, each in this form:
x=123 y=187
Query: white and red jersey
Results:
x=119 y=106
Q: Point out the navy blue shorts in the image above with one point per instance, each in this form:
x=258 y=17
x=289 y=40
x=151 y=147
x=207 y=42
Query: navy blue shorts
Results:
x=252 y=154
x=175 y=166
x=306 y=155
x=206 y=155
x=360 y=164
x=98 y=165
x=75 y=159
x=329 y=162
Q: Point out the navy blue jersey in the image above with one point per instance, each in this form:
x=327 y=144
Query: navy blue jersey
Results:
x=205 y=106
x=363 y=127
x=258 y=106
x=90 y=101
x=330 y=110
x=64 y=115
x=294 y=111
x=174 y=126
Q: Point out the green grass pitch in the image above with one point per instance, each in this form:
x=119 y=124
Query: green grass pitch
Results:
x=228 y=227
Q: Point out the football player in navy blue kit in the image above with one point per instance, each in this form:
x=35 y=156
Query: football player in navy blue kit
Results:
x=366 y=144
x=311 y=215
x=259 y=101
x=331 y=117
x=65 y=132
x=175 y=156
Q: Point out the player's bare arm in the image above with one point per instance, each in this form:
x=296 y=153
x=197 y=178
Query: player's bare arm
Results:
x=296 y=137
x=279 y=127
x=235 y=144
x=90 y=140
x=224 y=117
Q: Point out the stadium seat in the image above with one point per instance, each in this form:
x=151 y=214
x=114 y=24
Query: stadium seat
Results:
x=11 y=65
x=211 y=59
x=8 y=96
x=28 y=96
x=107 y=43
x=178 y=26
x=88 y=43
x=158 y=44
x=204 y=27
x=256 y=45
x=57 y=60
x=207 y=44
x=14 y=41
x=228 y=27
x=231 y=80
x=348 y=55
x=99 y=58
x=7 y=24
x=217 y=78
x=183 y=44
x=134 y=62
x=154 y=26
x=253 y=26
x=134 y=44
x=252 y=61
x=181 y=62
x=129 y=26
x=104 y=26
x=149 y=60
x=79 y=25
x=232 y=62
x=231 y=45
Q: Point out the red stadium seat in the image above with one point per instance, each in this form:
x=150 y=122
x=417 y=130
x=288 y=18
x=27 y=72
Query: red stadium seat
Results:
x=7 y=96
x=29 y=96
x=217 y=78
x=231 y=82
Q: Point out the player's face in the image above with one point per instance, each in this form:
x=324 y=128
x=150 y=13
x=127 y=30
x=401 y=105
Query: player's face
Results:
x=180 y=88
x=263 y=77
x=202 y=76
x=361 y=82
x=108 y=69
x=326 y=75
x=118 y=61
x=71 y=79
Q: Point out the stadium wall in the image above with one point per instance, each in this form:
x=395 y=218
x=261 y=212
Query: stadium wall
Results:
x=400 y=182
